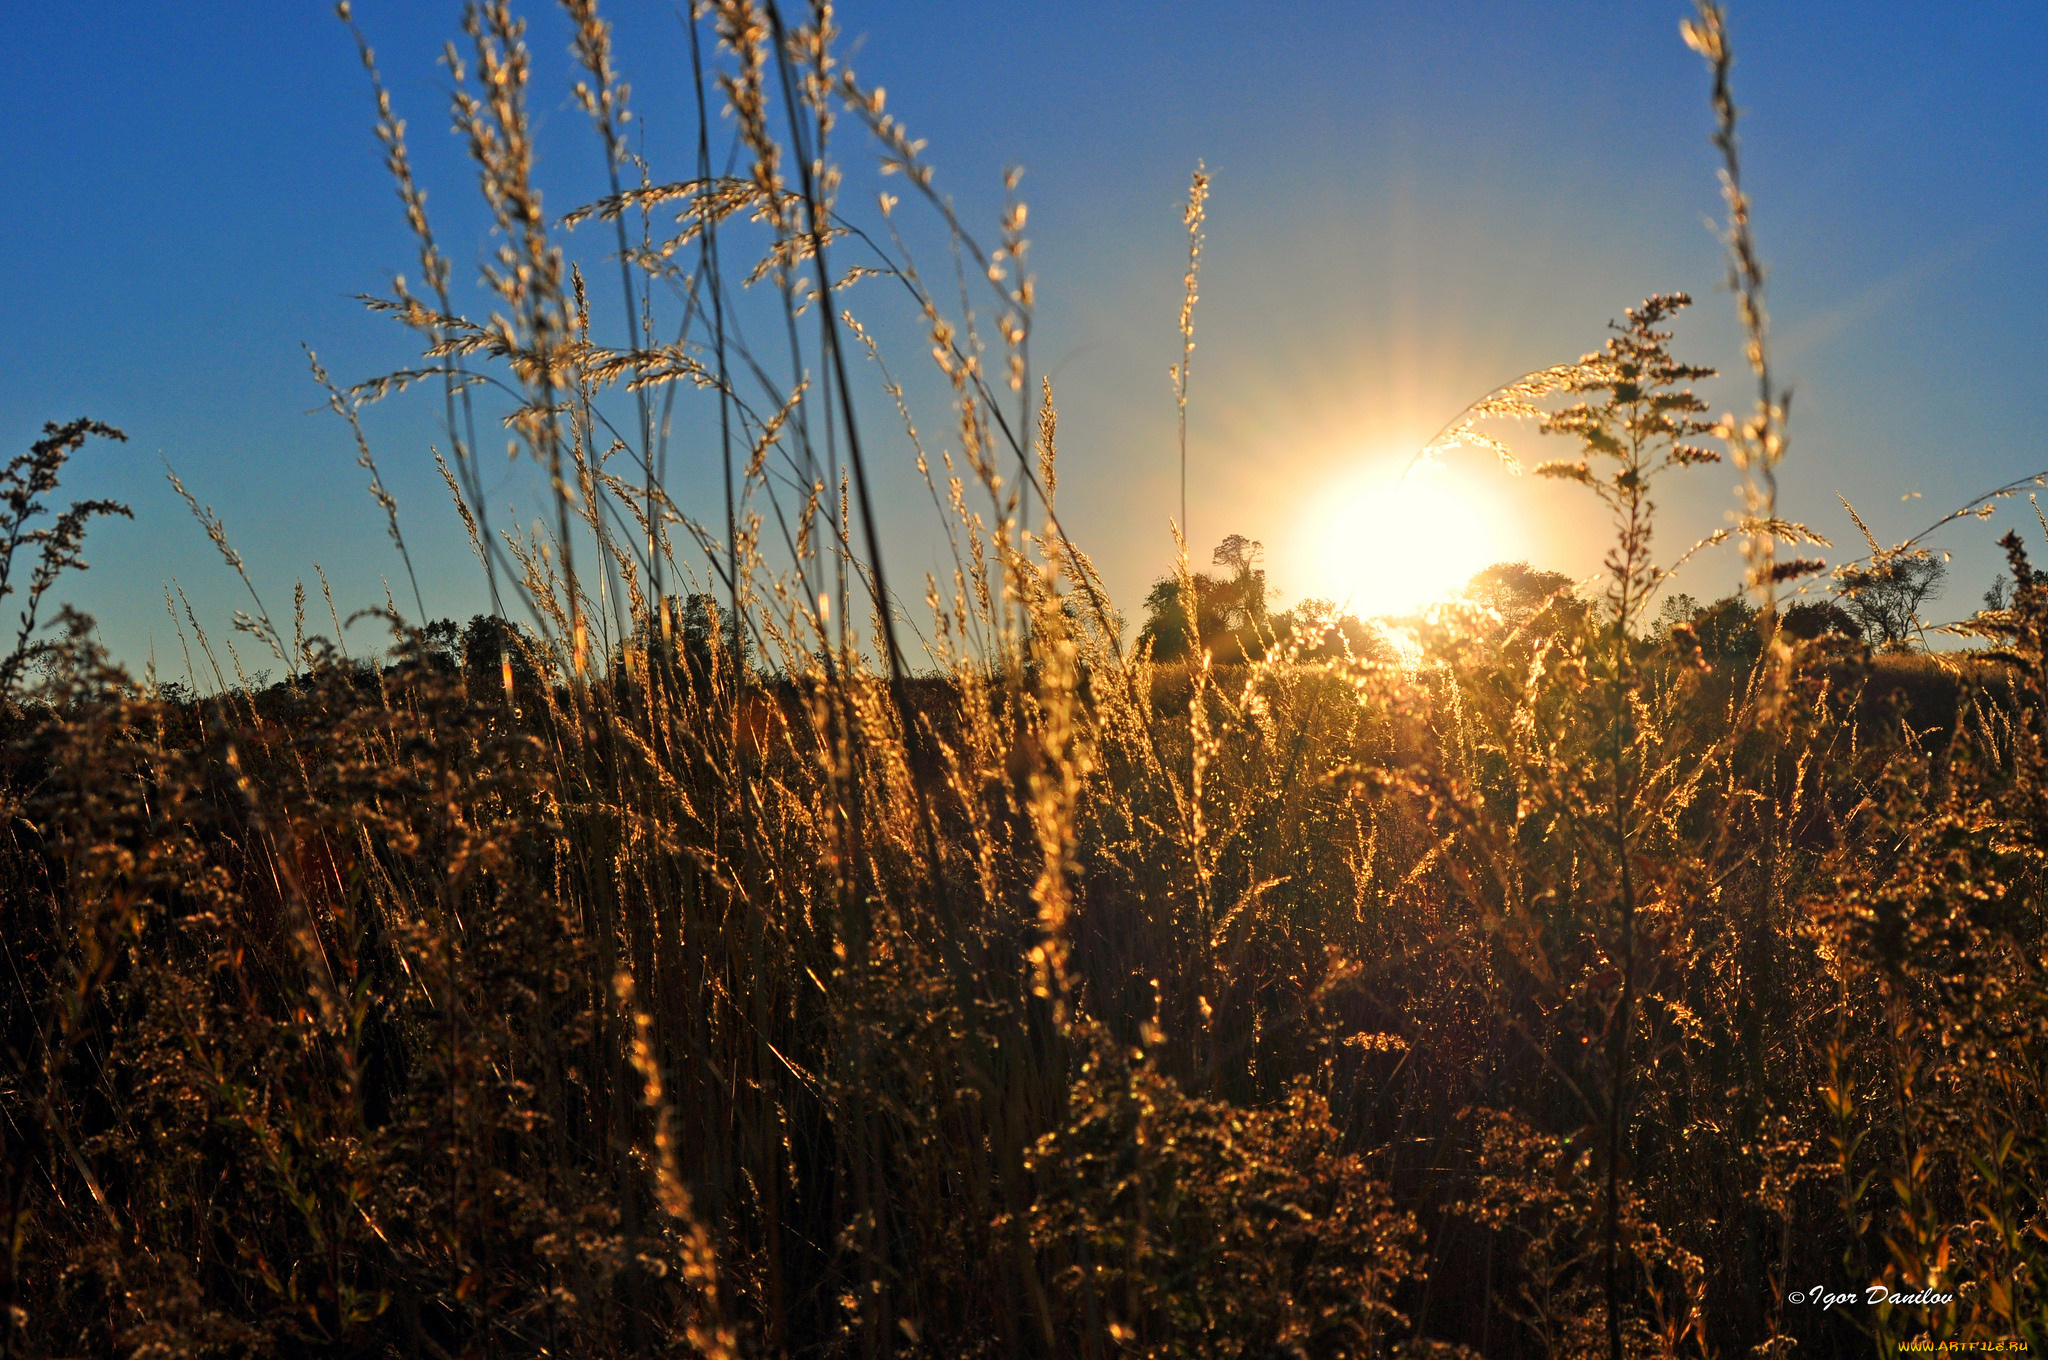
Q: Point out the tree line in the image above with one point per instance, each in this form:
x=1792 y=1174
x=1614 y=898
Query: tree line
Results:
x=1878 y=602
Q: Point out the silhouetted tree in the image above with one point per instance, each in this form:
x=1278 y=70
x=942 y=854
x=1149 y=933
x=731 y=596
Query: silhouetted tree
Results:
x=1223 y=606
x=1246 y=602
x=1724 y=631
x=1727 y=631
x=1885 y=597
x=493 y=649
x=1324 y=634
x=1677 y=609
x=1166 y=628
x=1516 y=590
x=1814 y=618
x=442 y=644
x=703 y=624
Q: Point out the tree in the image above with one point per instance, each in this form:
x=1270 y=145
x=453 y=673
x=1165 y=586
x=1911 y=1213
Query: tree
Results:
x=1166 y=626
x=695 y=633
x=1884 y=597
x=1816 y=618
x=1247 y=584
x=1677 y=609
x=1324 y=634
x=1223 y=606
x=441 y=643
x=1516 y=590
x=1726 y=631
x=703 y=624
x=497 y=661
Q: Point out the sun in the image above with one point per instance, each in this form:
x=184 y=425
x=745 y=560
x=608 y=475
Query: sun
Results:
x=1392 y=544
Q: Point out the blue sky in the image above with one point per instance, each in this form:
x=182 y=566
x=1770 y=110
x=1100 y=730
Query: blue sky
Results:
x=1411 y=203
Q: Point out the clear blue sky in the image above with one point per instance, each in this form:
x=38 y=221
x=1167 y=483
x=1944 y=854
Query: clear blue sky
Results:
x=1411 y=203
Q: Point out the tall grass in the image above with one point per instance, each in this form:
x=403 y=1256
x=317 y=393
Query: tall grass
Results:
x=646 y=975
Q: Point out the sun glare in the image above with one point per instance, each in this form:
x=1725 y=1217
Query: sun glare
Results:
x=1391 y=545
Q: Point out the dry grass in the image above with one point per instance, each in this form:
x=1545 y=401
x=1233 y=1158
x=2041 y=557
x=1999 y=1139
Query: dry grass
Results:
x=590 y=988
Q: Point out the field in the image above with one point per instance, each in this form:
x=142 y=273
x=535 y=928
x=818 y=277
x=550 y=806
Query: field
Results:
x=718 y=973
